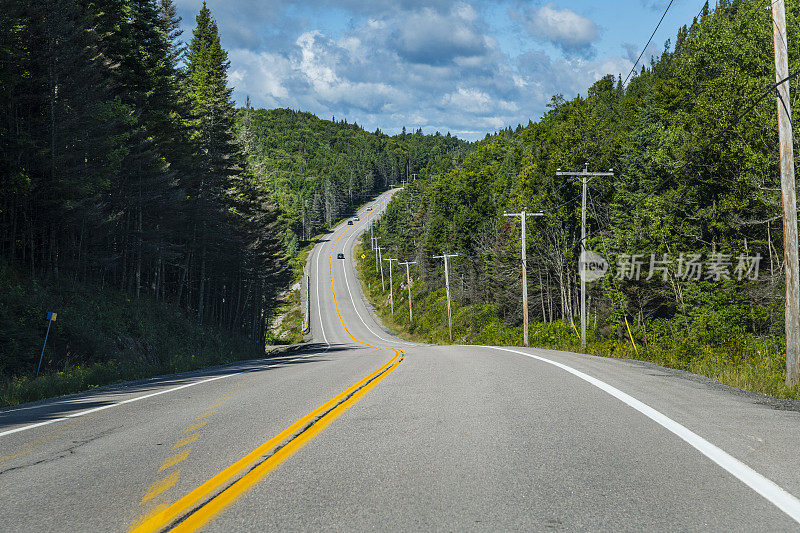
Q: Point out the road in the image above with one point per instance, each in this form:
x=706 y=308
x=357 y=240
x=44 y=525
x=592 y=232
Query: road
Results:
x=365 y=431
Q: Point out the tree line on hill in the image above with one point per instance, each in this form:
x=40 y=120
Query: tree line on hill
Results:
x=695 y=180
x=319 y=171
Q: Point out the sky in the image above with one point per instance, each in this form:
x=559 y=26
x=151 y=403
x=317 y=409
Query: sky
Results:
x=463 y=66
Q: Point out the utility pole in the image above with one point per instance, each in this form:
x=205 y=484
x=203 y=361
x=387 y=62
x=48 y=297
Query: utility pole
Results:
x=792 y=304
x=447 y=284
x=584 y=176
x=408 y=281
x=391 y=284
x=380 y=262
x=375 y=247
x=524 y=216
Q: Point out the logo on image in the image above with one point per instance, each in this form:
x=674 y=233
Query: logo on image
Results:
x=593 y=266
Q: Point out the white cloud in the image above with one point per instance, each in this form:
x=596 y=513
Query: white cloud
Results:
x=562 y=27
x=429 y=37
x=475 y=101
x=633 y=51
x=568 y=77
x=432 y=64
x=260 y=74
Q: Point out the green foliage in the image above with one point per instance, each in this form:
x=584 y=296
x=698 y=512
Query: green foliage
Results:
x=125 y=167
x=319 y=171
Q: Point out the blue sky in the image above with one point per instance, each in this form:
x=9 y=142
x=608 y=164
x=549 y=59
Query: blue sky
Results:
x=462 y=66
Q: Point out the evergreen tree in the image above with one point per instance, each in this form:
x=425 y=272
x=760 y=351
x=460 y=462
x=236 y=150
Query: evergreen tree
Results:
x=171 y=29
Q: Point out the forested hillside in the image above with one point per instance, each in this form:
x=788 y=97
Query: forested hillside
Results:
x=318 y=170
x=138 y=201
x=695 y=179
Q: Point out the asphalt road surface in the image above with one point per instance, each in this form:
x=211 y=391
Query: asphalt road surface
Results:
x=364 y=431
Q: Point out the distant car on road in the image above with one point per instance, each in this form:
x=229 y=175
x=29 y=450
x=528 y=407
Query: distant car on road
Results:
x=369 y=209
x=349 y=222
x=356 y=219
x=339 y=256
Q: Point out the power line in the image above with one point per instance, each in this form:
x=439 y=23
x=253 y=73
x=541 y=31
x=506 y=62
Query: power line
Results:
x=675 y=55
x=769 y=91
x=717 y=137
x=592 y=129
x=648 y=42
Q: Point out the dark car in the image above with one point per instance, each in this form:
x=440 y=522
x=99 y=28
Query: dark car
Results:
x=339 y=256
x=349 y=222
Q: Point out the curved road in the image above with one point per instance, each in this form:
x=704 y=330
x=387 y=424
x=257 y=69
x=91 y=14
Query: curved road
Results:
x=364 y=431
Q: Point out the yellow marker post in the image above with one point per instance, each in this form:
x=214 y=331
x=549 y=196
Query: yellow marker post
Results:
x=574 y=328
x=631 y=336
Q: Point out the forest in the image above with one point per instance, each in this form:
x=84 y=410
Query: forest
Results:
x=318 y=171
x=139 y=202
x=694 y=197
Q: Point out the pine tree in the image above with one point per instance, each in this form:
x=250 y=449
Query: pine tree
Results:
x=171 y=28
x=213 y=119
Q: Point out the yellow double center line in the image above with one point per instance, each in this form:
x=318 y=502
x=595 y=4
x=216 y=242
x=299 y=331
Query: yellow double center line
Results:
x=208 y=500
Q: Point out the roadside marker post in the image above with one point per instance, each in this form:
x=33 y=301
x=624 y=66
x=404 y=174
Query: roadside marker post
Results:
x=51 y=317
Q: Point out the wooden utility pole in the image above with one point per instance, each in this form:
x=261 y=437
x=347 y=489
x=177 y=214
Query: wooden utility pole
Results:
x=792 y=304
x=408 y=281
x=391 y=284
x=524 y=216
x=447 y=284
x=584 y=176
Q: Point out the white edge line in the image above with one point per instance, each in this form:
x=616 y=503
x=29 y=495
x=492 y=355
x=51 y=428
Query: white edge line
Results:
x=773 y=493
x=319 y=304
x=138 y=398
x=116 y=404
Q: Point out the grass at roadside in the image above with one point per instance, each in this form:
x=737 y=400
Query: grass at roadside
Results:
x=746 y=362
x=101 y=337
x=287 y=328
